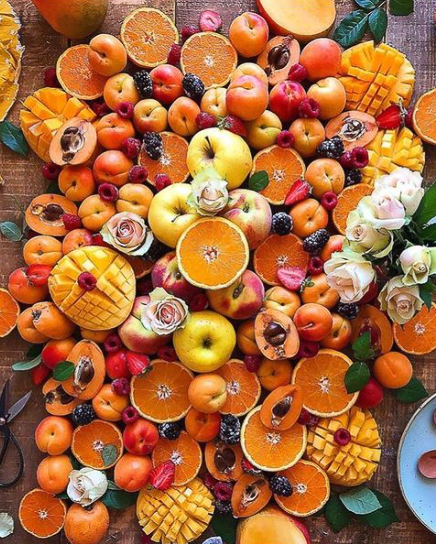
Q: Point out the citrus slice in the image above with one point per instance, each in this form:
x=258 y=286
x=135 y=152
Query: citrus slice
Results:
x=423 y=117
x=348 y=199
x=211 y=57
x=284 y=166
x=184 y=452
x=311 y=487
x=279 y=252
x=161 y=394
x=243 y=388
x=97 y=445
x=322 y=380
x=76 y=75
x=172 y=161
x=148 y=34
x=272 y=450
x=41 y=513
x=9 y=312
x=418 y=336
x=212 y=253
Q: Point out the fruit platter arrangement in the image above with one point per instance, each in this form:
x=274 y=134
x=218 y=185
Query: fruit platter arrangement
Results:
x=231 y=266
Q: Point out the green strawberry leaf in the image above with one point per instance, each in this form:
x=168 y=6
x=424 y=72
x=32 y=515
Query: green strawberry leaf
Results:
x=63 y=371
x=360 y=501
x=385 y=516
x=378 y=24
x=412 y=392
x=11 y=231
x=352 y=28
x=401 y=7
x=259 y=181
x=26 y=365
x=13 y=138
x=336 y=514
x=357 y=377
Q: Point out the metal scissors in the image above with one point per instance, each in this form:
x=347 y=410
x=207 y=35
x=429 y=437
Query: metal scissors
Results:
x=6 y=416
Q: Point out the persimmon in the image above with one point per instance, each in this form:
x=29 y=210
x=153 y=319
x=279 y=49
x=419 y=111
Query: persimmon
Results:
x=27 y=329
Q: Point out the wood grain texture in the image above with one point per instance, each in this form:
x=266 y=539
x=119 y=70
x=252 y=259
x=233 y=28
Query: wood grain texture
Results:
x=413 y=35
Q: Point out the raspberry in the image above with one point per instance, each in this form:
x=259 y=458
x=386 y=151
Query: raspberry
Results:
x=210 y=21
x=297 y=73
x=130 y=415
x=329 y=200
x=161 y=181
x=71 y=221
x=87 y=281
x=205 y=120
x=131 y=147
x=125 y=110
x=108 y=192
x=307 y=349
x=144 y=287
x=51 y=171
x=209 y=481
x=113 y=343
x=162 y=477
x=342 y=437
x=138 y=174
x=359 y=157
x=316 y=266
x=306 y=418
x=188 y=31
x=223 y=491
x=97 y=240
x=100 y=108
x=285 y=139
x=174 y=54
x=121 y=386
x=50 y=78
x=346 y=160
x=309 y=109
x=252 y=362
x=199 y=302
x=167 y=353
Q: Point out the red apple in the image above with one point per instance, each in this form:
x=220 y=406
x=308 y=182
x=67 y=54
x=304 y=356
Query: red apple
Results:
x=140 y=437
x=166 y=274
x=285 y=99
x=167 y=83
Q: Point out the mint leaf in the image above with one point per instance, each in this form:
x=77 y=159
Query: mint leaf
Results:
x=401 y=7
x=362 y=349
x=426 y=291
x=385 y=516
x=427 y=207
x=336 y=514
x=11 y=231
x=259 y=181
x=367 y=4
x=63 y=371
x=412 y=392
x=13 y=138
x=225 y=527
x=109 y=455
x=360 y=501
x=119 y=499
x=357 y=377
x=352 y=28
x=378 y=23
x=26 y=365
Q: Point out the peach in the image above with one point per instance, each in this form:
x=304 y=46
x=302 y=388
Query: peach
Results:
x=108 y=405
x=285 y=98
x=249 y=34
x=325 y=175
x=321 y=58
x=308 y=134
x=131 y=473
x=112 y=130
x=207 y=393
x=141 y=437
x=331 y=96
x=263 y=131
x=107 y=55
x=120 y=88
x=167 y=83
x=56 y=351
x=279 y=298
x=95 y=212
x=150 y=116
x=247 y=98
x=317 y=290
x=52 y=473
x=76 y=238
x=112 y=167
x=308 y=216
x=42 y=249
x=252 y=213
x=134 y=197
x=54 y=435
x=241 y=300
x=166 y=274
x=245 y=338
x=340 y=335
x=214 y=102
x=251 y=69
x=273 y=374
x=313 y=321
x=202 y=427
x=23 y=290
x=334 y=244
x=76 y=182
x=182 y=116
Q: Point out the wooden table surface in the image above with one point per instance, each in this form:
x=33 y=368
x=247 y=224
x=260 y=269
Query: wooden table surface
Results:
x=415 y=36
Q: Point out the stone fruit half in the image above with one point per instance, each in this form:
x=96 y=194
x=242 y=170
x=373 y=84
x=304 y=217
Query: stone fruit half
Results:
x=282 y=407
x=44 y=214
x=279 y=55
x=89 y=372
x=276 y=335
x=57 y=401
x=74 y=143
x=355 y=128
x=223 y=461
x=250 y=494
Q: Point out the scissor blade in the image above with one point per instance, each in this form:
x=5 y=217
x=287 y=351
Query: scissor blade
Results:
x=3 y=399
x=18 y=406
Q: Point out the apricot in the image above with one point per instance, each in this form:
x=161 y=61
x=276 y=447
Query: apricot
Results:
x=74 y=143
x=44 y=214
x=23 y=290
x=375 y=321
x=331 y=96
x=202 y=427
x=89 y=373
x=334 y=244
x=281 y=408
x=182 y=116
x=250 y=495
x=325 y=175
x=57 y=401
x=279 y=55
x=27 y=329
x=340 y=335
x=167 y=83
x=76 y=182
x=393 y=370
x=249 y=34
x=86 y=525
x=56 y=351
x=273 y=374
x=247 y=98
x=308 y=134
x=245 y=338
x=54 y=435
x=42 y=249
x=214 y=102
x=131 y=473
x=107 y=55
x=52 y=473
x=95 y=212
x=150 y=116
x=317 y=290
x=313 y=321
x=308 y=216
x=279 y=298
x=76 y=238
x=321 y=58
x=112 y=167
x=367 y=128
x=51 y=322
x=96 y=336
x=208 y=393
x=251 y=69
x=112 y=130
x=135 y=198
x=120 y=88
x=263 y=131
x=108 y=405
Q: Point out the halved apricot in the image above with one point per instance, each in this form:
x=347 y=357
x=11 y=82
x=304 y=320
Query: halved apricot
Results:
x=44 y=214
x=277 y=58
x=282 y=407
x=250 y=494
x=276 y=335
x=89 y=373
x=355 y=128
x=375 y=321
x=74 y=143
x=57 y=401
x=223 y=461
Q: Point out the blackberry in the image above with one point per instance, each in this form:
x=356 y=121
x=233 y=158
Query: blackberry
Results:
x=155 y=251
x=280 y=485
x=332 y=149
x=170 y=431
x=350 y=311
x=193 y=86
x=223 y=507
x=153 y=145
x=282 y=223
x=352 y=177
x=316 y=241
x=83 y=414
x=230 y=429
x=143 y=83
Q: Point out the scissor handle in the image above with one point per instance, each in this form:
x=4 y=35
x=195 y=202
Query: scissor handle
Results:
x=8 y=437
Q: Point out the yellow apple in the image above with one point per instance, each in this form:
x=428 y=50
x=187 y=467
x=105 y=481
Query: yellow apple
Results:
x=263 y=131
x=228 y=153
x=206 y=342
x=170 y=214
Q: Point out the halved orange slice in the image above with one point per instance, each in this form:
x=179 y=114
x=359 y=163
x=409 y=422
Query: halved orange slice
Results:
x=9 y=312
x=184 y=452
x=243 y=388
x=97 y=445
x=418 y=336
x=348 y=199
x=172 y=161
x=41 y=513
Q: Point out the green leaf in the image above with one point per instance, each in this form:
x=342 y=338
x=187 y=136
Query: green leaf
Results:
x=225 y=527
x=427 y=207
x=109 y=455
x=352 y=28
x=367 y=4
x=13 y=138
x=112 y=485
x=412 y=392
x=75 y=462
x=27 y=365
x=53 y=188
x=63 y=371
x=426 y=291
x=385 y=516
x=64 y=496
x=429 y=233
x=259 y=181
x=34 y=350
x=336 y=514
x=357 y=377
x=362 y=349
x=360 y=501
x=11 y=231
x=119 y=499
x=378 y=23
x=401 y=7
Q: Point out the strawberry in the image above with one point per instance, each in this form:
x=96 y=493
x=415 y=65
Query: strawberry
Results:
x=137 y=363
x=233 y=124
x=291 y=277
x=392 y=117
x=40 y=374
x=299 y=191
x=162 y=477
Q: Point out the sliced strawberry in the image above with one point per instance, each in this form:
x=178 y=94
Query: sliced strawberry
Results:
x=162 y=477
x=391 y=118
x=299 y=191
x=292 y=277
x=234 y=124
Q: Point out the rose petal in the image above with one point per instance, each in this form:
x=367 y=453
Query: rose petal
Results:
x=427 y=464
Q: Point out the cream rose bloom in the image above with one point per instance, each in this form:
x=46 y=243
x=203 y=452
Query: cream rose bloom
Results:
x=382 y=211
x=418 y=263
x=128 y=233
x=209 y=192
x=405 y=186
x=165 y=313
x=86 y=486
x=362 y=237
x=349 y=274
x=400 y=301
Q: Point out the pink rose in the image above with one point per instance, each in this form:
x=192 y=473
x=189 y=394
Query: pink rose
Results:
x=128 y=233
x=164 y=313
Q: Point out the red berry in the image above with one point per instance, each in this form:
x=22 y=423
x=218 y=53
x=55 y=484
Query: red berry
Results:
x=234 y=124
x=199 y=302
x=285 y=139
x=87 y=281
x=371 y=395
x=359 y=157
x=300 y=190
x=100 y=108
x=174 y=54
x=71 y=221
x=297 y=73
x=309 y=108
x=252 y=362
x=162 y=477
x=291 y=277
x=137 y=363
x=50 y=77
x=346 y=160
x=167 y=353
x=121 y=386
x=209 y=481
x=307 y=349
x=113 y=343
x=130 y=415
x=329 y=200
x=97 y=240
x=342 y=437
x=316 y=266
x=391 y=118
x=144 y=287
x=108 y=192
x=51 y=171
x=188 y=31
x=161 y=181
x=306 y=418
x=38 y=274
x=125 y=110
x=408 y=119
x=131 y=147
x=138 y=174
x=39 y=374
x=249 y=468
x=205 y=120
x=223 y=491
x=210 y=21
x=116 y=365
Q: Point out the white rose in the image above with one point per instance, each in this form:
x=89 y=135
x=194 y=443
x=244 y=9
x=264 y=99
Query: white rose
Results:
x=400 y=301
x=164 y=313
x=362 y=237
x=405 y=186
x=209 y=192
x=86 y=486
x=418 y=263
x=382 y=211
x=349 y=274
